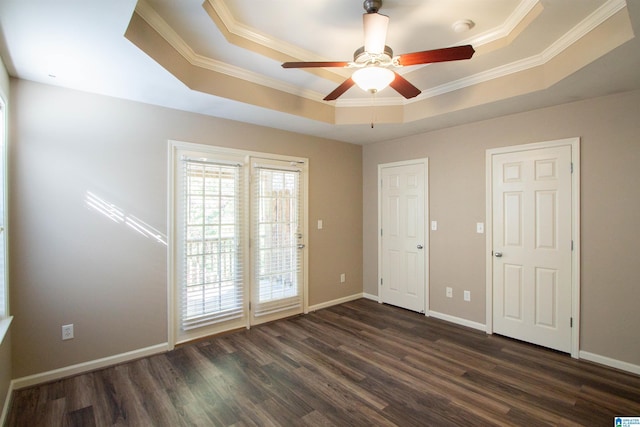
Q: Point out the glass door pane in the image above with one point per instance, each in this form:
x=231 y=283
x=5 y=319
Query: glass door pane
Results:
x=277 y=252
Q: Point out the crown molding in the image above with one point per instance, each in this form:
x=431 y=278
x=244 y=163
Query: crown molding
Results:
x=503 y=31
x=149 y=15
x=599 y=16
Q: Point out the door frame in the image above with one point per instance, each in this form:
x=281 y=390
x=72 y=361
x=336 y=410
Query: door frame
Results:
x=425 y=163
x=574 y=143
x=174 y=147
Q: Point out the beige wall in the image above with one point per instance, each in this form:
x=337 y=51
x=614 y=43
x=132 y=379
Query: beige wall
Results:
x=609 y=128
x=5 y=344
x=73 y=265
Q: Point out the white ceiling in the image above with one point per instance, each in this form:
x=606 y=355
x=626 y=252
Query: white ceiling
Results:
x=80 y=44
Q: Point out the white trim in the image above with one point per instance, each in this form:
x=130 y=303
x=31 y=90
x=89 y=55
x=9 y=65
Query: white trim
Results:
x=599 y=16
x=7 y=404
x=612 y=363
x=245 y=157
x=4 y=328
x=370 y=296
x=517 y=16
x=458 y=320
x=91 y=365
x=155 y=21
x=574 y=143
x=331 y=303
x=424 y=161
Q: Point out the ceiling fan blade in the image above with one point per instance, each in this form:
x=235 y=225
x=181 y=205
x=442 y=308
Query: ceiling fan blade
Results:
x=345 y=86
x=437 y=55
x=403 y=87
x=319 y=64
x=375 y=32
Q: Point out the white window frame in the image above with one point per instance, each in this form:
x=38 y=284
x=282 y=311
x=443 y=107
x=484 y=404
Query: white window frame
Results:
x=175 y=150
x=5 y=315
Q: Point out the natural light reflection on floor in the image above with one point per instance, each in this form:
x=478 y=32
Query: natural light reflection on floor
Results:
x=119 y=216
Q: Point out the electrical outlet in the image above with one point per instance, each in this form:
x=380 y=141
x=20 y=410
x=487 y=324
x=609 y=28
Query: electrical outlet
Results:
x=449 y=292
x=343 y=278
x=467 y=295
x=67 y=332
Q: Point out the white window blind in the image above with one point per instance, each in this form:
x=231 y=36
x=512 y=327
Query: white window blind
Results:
x=277 y=281
x=212 y=284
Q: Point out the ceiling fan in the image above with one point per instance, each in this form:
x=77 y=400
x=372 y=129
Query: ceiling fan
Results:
x=374 y=60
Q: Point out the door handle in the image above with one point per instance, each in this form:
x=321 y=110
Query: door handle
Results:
x=498 y=254
x=300 y=246
x=419 y=246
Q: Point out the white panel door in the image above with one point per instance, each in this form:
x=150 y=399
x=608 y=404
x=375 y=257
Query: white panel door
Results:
x=403 y=242
x=532 y=214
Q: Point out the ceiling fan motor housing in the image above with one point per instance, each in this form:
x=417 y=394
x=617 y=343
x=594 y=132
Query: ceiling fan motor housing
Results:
x=360 y=56
x=372 y=6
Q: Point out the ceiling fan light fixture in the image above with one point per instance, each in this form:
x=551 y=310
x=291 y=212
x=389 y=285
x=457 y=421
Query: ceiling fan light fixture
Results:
x=373 y=79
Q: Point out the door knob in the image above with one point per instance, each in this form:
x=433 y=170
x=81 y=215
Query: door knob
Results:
x=419 y=246
x=498 y=254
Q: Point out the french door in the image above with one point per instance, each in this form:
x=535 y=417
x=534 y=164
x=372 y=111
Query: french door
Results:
x=237 y=239
x=277 y=243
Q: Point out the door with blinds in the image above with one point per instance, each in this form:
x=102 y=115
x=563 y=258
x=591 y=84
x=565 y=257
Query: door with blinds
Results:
x=277 y=246
x=237 y=247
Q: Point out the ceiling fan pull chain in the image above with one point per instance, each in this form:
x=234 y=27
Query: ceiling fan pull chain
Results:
x=373 y=109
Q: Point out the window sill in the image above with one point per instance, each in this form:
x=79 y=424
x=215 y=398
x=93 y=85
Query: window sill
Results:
x=4 y=327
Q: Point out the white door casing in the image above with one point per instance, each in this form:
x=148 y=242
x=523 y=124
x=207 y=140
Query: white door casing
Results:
x=532 y=274
x=403 y=243
x=206 y=154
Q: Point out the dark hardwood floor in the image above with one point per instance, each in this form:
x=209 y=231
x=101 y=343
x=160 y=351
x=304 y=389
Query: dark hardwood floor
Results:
x=359 y=363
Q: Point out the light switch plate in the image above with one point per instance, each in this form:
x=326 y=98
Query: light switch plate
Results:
x=434 y=225
x=319 y=224
x=480 y=227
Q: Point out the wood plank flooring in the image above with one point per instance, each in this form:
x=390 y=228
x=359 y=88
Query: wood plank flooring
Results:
x=356 y=364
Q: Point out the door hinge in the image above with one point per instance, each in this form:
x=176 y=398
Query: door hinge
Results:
x=381 y=232
x=571 y=322
x=381 y=281
x=249 y=305
x=572 y=245
x=571 y=167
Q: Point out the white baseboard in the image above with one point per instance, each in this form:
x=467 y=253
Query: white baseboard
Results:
x=7 y=403
x=334 y=302
x=458 y=320
x=370 y=296
x=612 y=363
x=92 y=365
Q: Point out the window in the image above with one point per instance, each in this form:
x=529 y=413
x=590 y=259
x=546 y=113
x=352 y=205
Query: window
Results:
x=236 y=239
